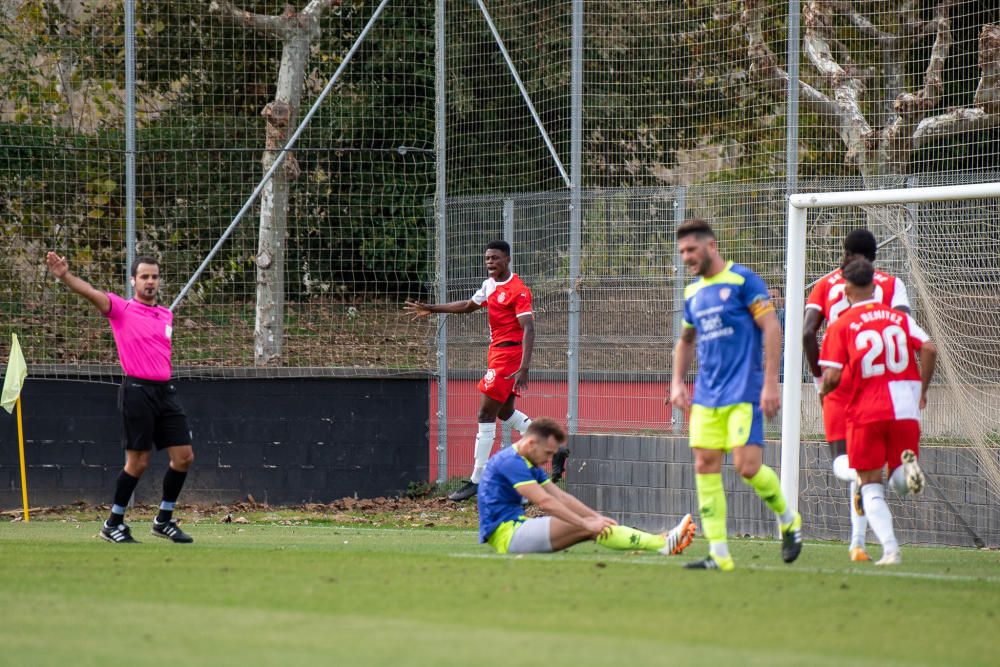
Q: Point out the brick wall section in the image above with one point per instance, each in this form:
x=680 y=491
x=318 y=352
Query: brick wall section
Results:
x=648 y=482
x=280 y=440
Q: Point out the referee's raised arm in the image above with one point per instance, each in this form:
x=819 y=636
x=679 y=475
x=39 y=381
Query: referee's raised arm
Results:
x=59 y=267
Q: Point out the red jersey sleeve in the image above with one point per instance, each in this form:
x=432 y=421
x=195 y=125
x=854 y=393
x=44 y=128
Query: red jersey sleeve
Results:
x=834 y=353
x=817 y=298
x=522 y=302
x=915 y=334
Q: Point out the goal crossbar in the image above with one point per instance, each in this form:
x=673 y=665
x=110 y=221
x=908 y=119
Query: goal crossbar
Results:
x=795 y=280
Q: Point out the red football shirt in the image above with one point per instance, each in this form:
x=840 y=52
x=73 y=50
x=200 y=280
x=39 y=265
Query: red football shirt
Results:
x=828 y=297
x=877 y=346
x=828 y=294
x=505 y=302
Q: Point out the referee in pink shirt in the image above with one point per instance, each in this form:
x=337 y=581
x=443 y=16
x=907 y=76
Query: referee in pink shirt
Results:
x=151 y=413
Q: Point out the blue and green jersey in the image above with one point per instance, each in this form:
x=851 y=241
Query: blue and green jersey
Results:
x=722 y=309
x=498 y=497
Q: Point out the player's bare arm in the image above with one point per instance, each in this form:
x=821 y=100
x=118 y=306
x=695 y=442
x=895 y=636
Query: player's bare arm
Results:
x=552 y=506
x=684 y=351
x=810 y=339
x=831 y=379
x=520 y=376
x=770 y=395
x=420 y=309
x=59 y=268
x=928 y=361
x=575 y=505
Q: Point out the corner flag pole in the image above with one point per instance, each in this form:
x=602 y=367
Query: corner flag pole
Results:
x=20 y=452
x=10 y=398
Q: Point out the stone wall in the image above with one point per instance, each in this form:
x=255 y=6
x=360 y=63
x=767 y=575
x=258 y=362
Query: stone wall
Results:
x=648 y=482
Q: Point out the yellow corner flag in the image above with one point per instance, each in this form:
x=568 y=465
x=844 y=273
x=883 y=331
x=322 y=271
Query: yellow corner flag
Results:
x=17 y=370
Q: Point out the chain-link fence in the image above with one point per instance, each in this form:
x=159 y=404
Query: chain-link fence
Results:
x=581 y=130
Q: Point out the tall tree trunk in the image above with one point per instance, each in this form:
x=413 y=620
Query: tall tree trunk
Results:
x=297 y=30
x=281 y=116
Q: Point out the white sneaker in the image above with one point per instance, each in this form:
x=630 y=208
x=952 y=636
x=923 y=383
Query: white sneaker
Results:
x=890 y=558
x=679 y=537
x=915 y=479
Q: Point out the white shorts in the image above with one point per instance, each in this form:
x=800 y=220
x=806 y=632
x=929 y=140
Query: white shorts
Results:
x=531 y=537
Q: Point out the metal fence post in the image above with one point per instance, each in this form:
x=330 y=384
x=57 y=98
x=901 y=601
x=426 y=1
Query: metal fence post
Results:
x=575 y=221
x=129 y=143
x=680 y=213
x=506 y=430
x=792 y=112
x=440 y=220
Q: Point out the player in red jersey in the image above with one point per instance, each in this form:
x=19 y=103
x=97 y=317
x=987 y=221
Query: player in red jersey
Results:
x=878 y=347
x=827 y=301
x=512 y=337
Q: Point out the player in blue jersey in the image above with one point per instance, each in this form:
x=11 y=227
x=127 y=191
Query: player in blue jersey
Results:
x=728 y=312
x=516 y=473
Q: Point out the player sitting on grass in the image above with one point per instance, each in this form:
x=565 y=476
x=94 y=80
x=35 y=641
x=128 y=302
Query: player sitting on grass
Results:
x=516 y=472
x=877 y=347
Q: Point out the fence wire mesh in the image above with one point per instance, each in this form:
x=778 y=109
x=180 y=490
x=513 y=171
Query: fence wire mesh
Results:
x=682 y=111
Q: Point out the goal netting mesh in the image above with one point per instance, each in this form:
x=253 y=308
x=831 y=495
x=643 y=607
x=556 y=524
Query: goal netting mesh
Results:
x=948 y=255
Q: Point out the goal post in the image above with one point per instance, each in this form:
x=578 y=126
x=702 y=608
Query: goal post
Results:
x=799 y=206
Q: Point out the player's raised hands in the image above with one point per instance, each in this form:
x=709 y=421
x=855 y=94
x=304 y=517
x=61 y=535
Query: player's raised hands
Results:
x=417 y=308
x=58 y=266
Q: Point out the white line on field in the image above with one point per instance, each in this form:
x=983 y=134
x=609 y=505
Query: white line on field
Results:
x=791 y=569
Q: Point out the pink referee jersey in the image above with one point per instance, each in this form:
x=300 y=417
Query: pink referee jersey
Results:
x=142 y=335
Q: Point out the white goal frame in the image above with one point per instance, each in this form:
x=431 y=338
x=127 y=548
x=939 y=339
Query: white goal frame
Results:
x=795 y=284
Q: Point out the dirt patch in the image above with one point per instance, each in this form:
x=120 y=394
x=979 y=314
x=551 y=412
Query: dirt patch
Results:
x=431 y=512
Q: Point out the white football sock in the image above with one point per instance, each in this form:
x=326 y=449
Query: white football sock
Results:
x=484 y=444
x=879 y=516
x=842 y=469
x=518 y=421
x=859 y=523
x=897 y=480
x=719 y=549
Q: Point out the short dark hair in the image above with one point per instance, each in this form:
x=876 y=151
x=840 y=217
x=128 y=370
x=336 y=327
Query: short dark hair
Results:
x=545 y=428
x=696 y=227
x=143 y=259
x=859 y=272
x=861 y=242
x=497 y=244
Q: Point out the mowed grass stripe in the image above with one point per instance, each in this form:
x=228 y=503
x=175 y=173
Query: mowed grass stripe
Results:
x=262 y=594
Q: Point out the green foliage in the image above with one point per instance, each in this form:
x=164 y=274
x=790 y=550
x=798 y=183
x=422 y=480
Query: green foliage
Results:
x=663 y=83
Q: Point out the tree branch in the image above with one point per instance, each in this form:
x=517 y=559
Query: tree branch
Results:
x=317 y=7
x=911 y=108
x=276 y=26
x=764 y=64
x=987 y=95
x=956 y=121
x=985 y=114
x=817 y=17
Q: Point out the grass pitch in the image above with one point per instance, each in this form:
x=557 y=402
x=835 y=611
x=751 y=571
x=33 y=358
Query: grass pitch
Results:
x=322 y=594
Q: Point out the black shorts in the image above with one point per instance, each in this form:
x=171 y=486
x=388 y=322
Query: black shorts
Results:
x=151 y=415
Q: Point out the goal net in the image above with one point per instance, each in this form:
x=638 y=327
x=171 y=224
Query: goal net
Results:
x=944 y=243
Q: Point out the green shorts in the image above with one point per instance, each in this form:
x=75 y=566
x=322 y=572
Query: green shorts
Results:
x=726 y=427
x=500 y=538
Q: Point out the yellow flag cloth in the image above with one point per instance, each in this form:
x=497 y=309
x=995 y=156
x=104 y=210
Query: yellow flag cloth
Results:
x=17 y=370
